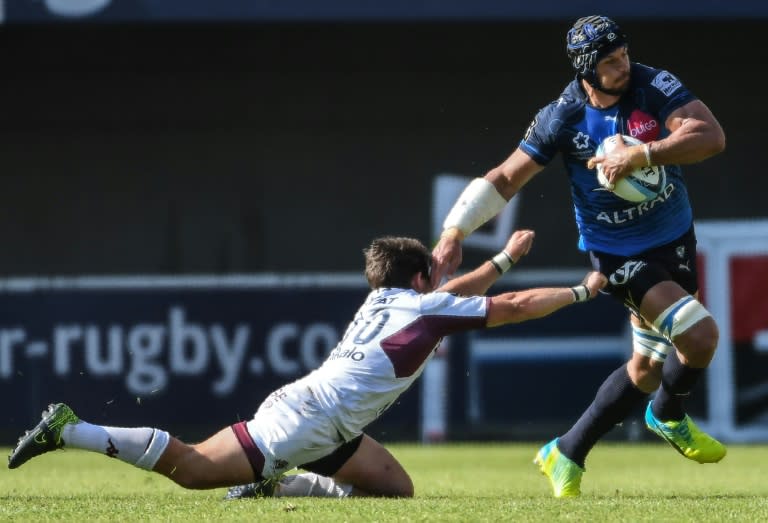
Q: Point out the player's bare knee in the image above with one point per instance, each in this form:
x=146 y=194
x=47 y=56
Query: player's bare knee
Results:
x=649 y=350
x=400 y=488
x=400 y=491
x=644 y=373
x=691 y=328
x=698 y=344
x=405 y=488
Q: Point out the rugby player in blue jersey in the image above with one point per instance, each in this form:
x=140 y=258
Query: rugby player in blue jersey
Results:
x=647 y=249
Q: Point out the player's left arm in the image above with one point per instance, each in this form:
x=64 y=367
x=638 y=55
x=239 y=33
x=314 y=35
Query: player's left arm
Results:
x=515 y=307
x=695 y=135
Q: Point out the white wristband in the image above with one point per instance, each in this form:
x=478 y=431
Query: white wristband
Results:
x=502 y=262
x=580 y=293
x=478 y=203
x=647 y=151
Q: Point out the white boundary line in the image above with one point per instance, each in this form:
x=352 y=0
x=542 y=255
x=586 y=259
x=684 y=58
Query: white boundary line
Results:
x=554 y=347
x=249 y=281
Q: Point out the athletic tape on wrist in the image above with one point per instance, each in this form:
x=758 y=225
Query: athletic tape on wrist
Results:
x=647 y=151
x=478 y=203
x=502 y=262
x=580 y=293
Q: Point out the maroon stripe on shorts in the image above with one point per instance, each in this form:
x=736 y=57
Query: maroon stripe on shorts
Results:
x=255 y=457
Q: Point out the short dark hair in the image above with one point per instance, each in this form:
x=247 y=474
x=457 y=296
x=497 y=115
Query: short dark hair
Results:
x=392 y=261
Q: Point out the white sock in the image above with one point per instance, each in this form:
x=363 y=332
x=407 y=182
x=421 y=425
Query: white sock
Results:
x=138 y=446
x=311 y=484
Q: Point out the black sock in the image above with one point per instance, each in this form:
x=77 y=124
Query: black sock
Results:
x=615 y=399
x=677 y=380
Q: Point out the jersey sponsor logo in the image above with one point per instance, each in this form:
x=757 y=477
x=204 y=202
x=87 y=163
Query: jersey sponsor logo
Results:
x=636 y=211
x=643 y=126
x=352 y=354
x=626 y=272
x=581 y=141
x=666 y=82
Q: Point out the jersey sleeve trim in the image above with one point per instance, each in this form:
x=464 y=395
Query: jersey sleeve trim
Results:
x=535 y=154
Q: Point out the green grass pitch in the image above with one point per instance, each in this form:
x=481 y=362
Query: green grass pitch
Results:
x=454 y=482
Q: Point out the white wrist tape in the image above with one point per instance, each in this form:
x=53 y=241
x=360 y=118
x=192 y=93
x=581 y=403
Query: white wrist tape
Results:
x=580 y=293
x=479 y=202
x=502 y=262
x=647 y=151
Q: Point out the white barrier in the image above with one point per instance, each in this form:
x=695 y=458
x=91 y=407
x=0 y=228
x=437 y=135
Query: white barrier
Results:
x=719 y=243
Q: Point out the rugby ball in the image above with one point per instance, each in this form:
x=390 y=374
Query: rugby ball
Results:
x=642 y=184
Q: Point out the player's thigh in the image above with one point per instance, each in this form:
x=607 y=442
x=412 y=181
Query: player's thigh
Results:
x=218 y=461
x=652 y=280
x=374 y=470
x=291 y=429
x=659 y=298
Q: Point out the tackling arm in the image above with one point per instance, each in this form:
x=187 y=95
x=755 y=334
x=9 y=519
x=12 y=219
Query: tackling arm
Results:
x=516 y=307
x=478 y=281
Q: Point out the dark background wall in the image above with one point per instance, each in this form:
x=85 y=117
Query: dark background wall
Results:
x=286 y=147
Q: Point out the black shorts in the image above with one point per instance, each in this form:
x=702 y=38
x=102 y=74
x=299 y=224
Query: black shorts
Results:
x=629 y=278
x=330 y=464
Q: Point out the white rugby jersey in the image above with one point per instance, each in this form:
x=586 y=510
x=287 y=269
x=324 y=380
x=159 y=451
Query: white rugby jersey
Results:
x=385 y=348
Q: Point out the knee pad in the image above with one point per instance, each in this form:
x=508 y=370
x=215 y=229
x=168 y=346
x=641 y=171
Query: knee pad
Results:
x=650 y=343
x=679 y=317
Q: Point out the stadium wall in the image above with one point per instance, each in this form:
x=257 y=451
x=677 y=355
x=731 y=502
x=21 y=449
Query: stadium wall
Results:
x=177 y=149
x=170 y=150
x=194 y=354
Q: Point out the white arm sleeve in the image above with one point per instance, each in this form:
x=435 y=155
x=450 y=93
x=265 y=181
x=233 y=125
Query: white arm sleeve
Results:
x=478 y=203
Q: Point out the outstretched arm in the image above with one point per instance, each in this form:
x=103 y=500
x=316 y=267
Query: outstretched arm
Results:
x=483 y=199
x=478 y=281
x=515 y=307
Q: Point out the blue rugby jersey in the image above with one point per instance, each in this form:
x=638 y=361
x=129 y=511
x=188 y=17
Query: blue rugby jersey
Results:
x=570 y=126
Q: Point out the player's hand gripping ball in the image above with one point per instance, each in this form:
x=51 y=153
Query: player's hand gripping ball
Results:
x=642 y=184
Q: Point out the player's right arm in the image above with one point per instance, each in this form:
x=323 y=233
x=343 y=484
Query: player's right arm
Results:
x=480 y=201
x=478 y=281
x=515 y=307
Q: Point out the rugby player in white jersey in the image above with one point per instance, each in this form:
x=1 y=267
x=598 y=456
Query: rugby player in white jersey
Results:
x=316 y=423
